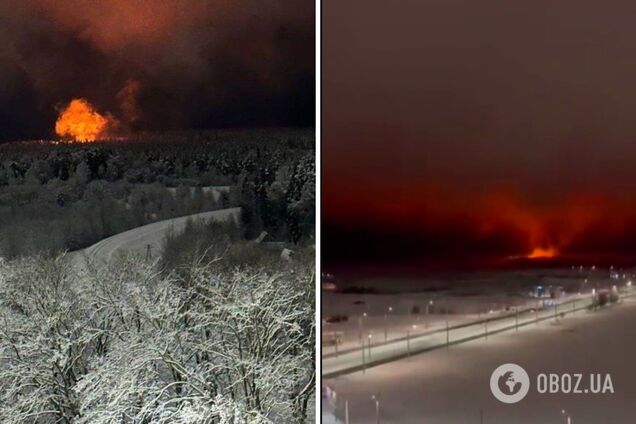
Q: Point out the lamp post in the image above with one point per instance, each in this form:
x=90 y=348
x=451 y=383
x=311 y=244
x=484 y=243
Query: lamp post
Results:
x=447 y=335
x=486 y=329
x=364 y=315
x=377 y=408
x=568 y=417
x=335 y=341
x=385 y=323
x=364 y=366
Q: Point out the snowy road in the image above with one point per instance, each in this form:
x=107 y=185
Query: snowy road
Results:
x=148 y=237
x=361 y=359
x=452 y=386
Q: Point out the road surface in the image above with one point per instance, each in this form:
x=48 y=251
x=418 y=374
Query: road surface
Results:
x=151 y=236
x=452 y=386
x=358 y=359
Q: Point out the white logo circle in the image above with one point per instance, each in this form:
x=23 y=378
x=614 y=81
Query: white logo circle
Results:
x=509 y=383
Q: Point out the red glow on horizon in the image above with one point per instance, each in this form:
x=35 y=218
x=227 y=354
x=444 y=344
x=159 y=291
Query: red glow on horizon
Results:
x=543 y=253
x=498 y=223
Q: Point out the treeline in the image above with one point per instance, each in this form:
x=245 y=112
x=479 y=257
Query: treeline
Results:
x=210 y=240
x=57 y=196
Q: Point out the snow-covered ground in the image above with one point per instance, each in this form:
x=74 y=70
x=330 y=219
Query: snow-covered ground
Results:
x=448 y=386
x=353 y=359
x=384 y=310
x=392 y=316
x=215 y=191
x=137 y=240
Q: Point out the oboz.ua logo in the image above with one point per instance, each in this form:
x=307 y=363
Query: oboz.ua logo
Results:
x=509 y=383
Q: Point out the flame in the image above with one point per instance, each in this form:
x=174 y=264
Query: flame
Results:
x=81 y=122
x=543 y=253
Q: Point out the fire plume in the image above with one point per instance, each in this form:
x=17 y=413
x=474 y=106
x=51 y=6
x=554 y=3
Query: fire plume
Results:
x=543 y=253
x=82 y=123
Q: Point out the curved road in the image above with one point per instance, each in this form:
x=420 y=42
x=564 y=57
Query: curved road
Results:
x=138 y=239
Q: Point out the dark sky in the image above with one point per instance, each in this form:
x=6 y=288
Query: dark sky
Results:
x=459 y=128
x=196 y=63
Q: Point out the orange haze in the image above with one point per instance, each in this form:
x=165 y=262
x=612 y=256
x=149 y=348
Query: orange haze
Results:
x=82 y=123
x=445 y=221
x=543 y=253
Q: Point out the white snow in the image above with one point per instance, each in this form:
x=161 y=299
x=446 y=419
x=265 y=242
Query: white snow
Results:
x=137 y=240
x=452 y=386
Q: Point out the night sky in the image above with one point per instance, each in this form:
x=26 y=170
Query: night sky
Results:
x=475 y=131
x=192 y=63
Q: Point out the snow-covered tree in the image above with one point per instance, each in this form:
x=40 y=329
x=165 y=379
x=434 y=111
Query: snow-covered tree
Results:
x=128 y=344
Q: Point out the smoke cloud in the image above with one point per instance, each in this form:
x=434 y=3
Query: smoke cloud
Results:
x=456 y=128
x=158 y=64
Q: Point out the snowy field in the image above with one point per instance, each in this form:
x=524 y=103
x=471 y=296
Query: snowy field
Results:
x=399 y=308
x=391 y=316
x=451 y=386
x=355 y=359
x=470 y=282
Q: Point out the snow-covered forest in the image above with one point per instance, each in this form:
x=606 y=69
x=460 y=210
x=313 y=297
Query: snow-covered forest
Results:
x=56 y=197
x=218 y=328
x=126 y=343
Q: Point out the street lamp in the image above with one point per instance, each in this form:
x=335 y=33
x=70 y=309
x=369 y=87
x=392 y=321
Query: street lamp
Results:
x=360 y=318
x=385 y=323
x=364 y=366
x=447 y=335
x=446 y=318
x=568 y=417
x=377 y=408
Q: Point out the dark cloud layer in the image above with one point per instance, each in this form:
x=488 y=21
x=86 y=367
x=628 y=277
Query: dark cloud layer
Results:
x=534 y=99
x=198 y=64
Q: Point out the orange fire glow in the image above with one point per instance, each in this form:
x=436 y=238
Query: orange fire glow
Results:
x=543 y=253
x=82 y=123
